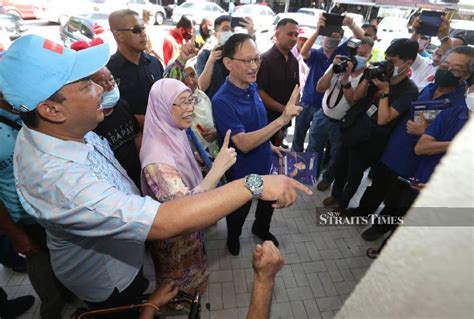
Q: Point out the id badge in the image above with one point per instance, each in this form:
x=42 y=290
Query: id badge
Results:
x=371 y=111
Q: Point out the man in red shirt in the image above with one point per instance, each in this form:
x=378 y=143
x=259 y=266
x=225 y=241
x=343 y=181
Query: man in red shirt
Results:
x=176 y=37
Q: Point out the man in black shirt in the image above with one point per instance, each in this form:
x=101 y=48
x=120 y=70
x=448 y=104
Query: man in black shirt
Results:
x=119 y=126
x=367 y=125
x=279 y=74
x=136 y=70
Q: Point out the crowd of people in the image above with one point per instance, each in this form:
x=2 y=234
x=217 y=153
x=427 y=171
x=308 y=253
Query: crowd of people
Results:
x=102 y=154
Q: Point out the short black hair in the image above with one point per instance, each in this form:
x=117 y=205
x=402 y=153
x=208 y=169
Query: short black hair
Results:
x=285 y=21
x=31 y=118
x=185 y=22
x=219 y=21
x=118 y=15
x=233 y=43
x=370 y=26
x=404 y=49
x=460 y=36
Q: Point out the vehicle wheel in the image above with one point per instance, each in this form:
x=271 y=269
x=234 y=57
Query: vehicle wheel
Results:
x=159 y=18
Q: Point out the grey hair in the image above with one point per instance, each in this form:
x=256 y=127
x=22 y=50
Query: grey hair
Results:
x=464 y=50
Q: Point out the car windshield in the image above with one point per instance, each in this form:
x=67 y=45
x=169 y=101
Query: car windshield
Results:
x=187 y=5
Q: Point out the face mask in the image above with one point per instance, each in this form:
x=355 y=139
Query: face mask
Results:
x=110 y=98
x=422 y=43
x=224 y=36
x=361 y=61
x=470 y=101
x=395 y=71
x=445 y=78
x=332 y=43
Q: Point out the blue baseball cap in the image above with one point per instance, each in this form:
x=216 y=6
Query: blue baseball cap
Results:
x=34 y=68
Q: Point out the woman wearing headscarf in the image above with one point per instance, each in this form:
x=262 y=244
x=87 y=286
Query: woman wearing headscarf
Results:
x=170 y=170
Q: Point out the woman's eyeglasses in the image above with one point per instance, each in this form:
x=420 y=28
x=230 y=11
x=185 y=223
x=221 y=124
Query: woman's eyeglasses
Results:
x=135 y=30
x=192 y=100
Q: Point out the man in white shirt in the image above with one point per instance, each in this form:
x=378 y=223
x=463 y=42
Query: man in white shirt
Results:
x=338 y=88
x=424 y=69
x=68 y=179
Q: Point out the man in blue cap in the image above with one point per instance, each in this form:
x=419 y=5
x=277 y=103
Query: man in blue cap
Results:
x=68 y=179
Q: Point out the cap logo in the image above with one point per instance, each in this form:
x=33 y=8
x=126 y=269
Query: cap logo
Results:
x=53 y=46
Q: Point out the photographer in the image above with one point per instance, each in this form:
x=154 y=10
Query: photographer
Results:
x=424 y=68
x=338 y=83
x=318 y=61
x=400 y=156
x=383 y=95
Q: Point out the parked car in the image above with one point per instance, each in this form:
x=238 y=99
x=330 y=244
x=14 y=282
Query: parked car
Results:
x=311 y=11
x=20 y=8
x=87 y=27
x=12 y=24
x=262 y=16
x=391 y=28
x=197 y=11
x=58 y=11
x=157 y=12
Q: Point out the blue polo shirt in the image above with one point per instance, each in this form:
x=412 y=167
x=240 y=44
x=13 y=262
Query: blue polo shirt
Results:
x=8 y=195
x=399 y=154
x=242 y=111
x=444 y=128
x=318 y=64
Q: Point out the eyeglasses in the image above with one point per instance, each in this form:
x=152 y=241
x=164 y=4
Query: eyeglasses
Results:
x=135 y=30
x=192 y=100
x=458 y=72
x=248 y=62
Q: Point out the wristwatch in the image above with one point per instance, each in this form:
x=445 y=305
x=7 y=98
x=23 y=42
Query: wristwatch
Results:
x=383 y=95
x=346 y=86
x=254 y=184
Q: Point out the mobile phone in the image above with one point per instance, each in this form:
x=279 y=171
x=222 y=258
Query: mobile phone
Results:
x=199 y=127
x=407 y=181
x=430 y=21
x=235 y=22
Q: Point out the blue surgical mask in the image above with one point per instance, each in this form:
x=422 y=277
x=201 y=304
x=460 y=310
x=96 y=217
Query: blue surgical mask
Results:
x=110 y=98
x=361 y=62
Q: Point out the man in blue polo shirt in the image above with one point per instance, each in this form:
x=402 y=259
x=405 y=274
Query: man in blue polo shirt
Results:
x=237 y=106
x=318 y=61
x=399 y=158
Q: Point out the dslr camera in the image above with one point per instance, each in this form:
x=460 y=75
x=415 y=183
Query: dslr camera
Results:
x=353 y=45
x=379 y=70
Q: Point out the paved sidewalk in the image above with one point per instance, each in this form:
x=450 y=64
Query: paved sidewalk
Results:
x=323 y=265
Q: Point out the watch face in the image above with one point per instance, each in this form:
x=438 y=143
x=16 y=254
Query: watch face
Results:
x=254 y=181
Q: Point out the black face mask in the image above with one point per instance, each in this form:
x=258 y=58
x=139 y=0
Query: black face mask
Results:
x=444 y=78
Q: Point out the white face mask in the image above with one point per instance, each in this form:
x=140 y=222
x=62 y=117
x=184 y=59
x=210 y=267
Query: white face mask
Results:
x=395 y=71
x=470 y=101
x=224 y=36
x=110 y=98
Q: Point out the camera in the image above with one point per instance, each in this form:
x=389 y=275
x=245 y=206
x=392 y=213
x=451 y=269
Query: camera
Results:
x=342 y=65
x=352 y=45
x=379 y=70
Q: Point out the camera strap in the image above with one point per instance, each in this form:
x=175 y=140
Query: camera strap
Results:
x=339 y=96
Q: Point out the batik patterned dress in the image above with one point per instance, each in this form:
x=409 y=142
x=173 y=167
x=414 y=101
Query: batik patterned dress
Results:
x=183 y=258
